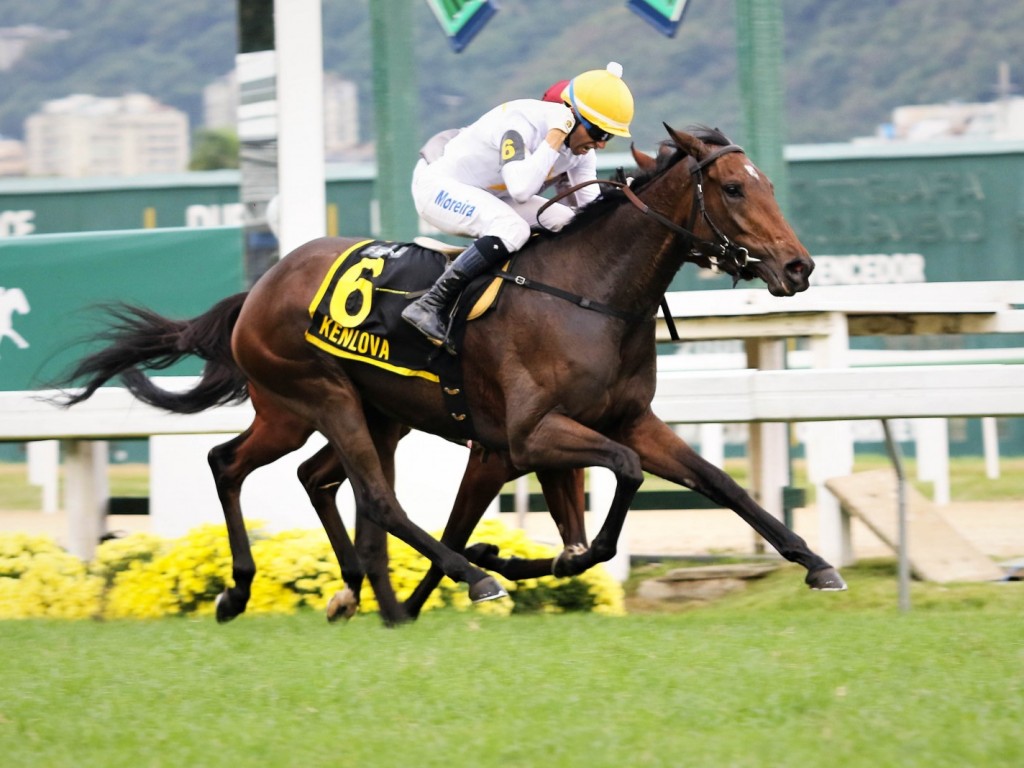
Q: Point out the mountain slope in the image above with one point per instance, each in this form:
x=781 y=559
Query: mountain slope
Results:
x=847 y=65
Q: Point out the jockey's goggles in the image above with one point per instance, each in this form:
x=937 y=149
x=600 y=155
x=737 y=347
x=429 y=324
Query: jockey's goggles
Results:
x=595 y=132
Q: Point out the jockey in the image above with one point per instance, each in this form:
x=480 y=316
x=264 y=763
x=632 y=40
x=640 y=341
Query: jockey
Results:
x=559 y=183
x=486 y=181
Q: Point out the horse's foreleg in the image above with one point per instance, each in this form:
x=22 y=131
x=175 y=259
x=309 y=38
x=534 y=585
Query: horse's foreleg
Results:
x=267 y=439
x=483 y=479
x=559 y=443
x=563 y=491
x=564 y=494
x=666 y=455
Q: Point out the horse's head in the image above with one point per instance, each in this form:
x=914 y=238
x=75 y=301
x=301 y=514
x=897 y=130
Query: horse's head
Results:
x=735 y=213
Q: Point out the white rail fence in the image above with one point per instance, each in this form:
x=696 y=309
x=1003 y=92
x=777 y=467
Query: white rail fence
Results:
x=766 y=394
x=182 y=492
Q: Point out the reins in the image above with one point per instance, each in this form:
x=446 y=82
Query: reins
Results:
x=723 y=255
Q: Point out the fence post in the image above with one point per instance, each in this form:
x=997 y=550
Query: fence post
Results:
x=932 y=440
x=86 y=494
x=44 y=470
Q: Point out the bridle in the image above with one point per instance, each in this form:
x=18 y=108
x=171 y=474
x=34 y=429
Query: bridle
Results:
x=723 y=254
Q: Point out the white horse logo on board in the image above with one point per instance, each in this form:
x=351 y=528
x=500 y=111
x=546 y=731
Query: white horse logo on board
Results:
x=12 y=302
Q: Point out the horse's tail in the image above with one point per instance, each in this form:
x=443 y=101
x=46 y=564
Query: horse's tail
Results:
x=141 y=340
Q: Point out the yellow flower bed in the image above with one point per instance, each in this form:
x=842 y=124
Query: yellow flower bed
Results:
x=145 y=576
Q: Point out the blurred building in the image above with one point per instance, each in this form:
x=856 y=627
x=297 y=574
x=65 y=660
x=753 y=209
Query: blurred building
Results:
x=341 y=115
x=83 y=135
x=1001 y=119
x=220 y=103
x=12 y=157
x=341 y=111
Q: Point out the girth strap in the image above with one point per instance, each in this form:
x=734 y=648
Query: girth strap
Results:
x=449 y=372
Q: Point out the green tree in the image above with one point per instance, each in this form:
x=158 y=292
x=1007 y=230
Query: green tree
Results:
x=214 y=149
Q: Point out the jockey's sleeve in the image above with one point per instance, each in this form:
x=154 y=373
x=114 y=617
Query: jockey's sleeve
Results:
x=525 y=177
x=585 y=171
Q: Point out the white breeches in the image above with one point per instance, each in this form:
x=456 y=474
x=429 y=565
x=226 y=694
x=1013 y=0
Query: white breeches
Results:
x=461 y=209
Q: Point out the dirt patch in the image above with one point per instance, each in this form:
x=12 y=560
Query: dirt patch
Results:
x=994 y=527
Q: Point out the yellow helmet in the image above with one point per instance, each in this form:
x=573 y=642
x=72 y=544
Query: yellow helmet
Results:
x=600 y=98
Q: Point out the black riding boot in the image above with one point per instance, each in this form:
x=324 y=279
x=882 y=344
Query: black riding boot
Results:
x=427 y=314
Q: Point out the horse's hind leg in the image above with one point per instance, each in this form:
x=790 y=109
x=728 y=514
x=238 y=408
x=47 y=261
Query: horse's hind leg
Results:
x=321 y=475
x=268 y=346
x=271 y=436
x=341 y=420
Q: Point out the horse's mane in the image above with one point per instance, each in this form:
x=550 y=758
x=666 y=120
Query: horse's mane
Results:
x=710 y=135
x=669 y=153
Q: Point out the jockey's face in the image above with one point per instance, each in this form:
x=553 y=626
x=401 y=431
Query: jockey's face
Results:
x=581 y=142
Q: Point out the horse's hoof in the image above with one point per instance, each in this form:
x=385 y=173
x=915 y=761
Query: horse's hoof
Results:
x=486 y=588
x=223 y=606
x=826 y=580
x=565 y=564
x=342 y=605
x=397 y=620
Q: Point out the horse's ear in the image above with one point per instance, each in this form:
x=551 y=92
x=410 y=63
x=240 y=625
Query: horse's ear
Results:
x=643 y=161
x=689 y=143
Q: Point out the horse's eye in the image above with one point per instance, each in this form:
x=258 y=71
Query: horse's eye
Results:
x=733 y=190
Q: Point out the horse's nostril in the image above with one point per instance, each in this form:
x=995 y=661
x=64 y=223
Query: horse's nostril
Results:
x=800 y=267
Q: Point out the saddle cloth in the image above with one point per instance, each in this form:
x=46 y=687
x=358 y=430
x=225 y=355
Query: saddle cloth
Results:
x=356 y=312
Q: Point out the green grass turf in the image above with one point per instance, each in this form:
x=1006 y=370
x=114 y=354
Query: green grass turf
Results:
x=774 y=676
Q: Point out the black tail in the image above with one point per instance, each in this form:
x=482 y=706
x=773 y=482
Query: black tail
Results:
x=141 y=340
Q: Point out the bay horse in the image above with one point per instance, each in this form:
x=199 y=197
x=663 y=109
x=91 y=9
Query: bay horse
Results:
x=558 y=377
x=140 y=340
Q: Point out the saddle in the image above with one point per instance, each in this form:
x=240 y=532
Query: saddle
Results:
x=356 y=312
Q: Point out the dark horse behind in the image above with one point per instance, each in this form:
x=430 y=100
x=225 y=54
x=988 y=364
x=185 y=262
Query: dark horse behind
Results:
x=558 y=377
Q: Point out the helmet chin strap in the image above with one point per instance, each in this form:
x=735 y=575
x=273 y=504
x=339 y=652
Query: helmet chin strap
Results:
x=576 y=124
